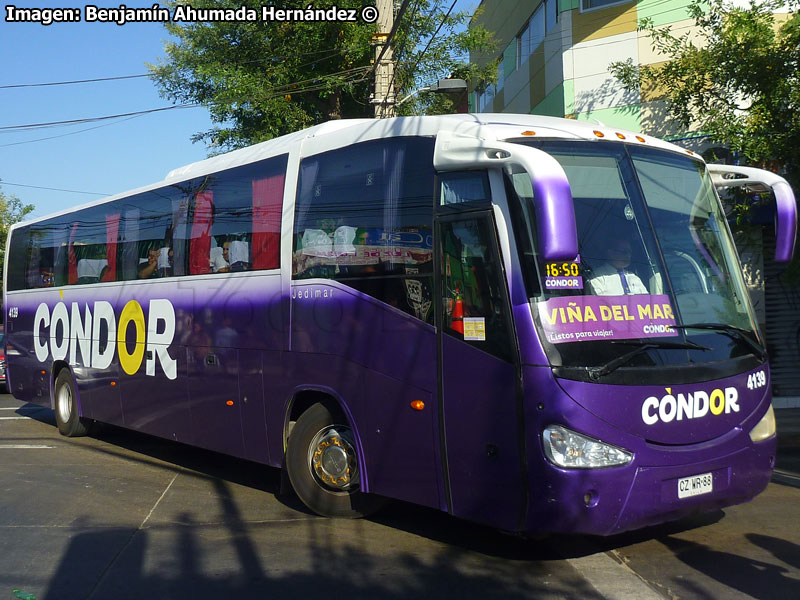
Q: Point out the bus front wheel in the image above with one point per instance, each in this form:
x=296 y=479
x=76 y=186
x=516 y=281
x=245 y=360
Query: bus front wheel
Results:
x=323 y=468
x=69 y=421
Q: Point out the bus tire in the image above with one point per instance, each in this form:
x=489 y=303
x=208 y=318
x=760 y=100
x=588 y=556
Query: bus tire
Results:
x=323 y=468
x=69 y=422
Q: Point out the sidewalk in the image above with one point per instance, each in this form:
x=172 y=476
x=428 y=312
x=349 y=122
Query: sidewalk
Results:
x=788 y=460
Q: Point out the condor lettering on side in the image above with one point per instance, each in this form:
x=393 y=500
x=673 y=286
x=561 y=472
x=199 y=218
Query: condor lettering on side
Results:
x=692 y=405
x=63 y=333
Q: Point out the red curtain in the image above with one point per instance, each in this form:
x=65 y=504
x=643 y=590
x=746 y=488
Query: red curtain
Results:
x=72 y=274
x=199 y=254
x=267 y=207
x=112 y=235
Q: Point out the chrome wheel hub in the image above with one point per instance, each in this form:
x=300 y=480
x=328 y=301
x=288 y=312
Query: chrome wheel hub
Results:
x=333 y=459
x=64 y=403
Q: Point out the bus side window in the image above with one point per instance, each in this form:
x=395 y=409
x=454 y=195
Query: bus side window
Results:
x=236 y=218
x=149 y=247
x=364 y=217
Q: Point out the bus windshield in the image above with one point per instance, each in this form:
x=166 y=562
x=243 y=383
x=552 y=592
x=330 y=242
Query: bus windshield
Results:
x=656 y=270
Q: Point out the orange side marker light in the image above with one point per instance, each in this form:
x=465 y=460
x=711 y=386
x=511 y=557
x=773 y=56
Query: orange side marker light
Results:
x=417 y=405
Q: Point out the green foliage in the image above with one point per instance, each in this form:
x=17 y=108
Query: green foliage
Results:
x=12 y=210
x=260 y=79
x=736 y=78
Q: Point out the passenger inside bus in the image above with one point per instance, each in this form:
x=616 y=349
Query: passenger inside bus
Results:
x=220 y=258
x=157 y=264
x=232 y=255
x=91 y=270
x=615 y=277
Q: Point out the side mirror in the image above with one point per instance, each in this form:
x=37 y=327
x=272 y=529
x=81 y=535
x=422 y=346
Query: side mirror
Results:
x=552 y=196
x=725 y=176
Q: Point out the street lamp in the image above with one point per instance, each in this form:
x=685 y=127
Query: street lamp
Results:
x=443 y=86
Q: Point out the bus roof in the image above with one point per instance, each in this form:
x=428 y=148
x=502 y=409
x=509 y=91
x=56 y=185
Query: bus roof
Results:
x=488 y=126
x=338 y=133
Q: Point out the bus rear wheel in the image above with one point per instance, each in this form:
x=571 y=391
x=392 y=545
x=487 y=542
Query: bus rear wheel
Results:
x=68 y=420
x=323 y=468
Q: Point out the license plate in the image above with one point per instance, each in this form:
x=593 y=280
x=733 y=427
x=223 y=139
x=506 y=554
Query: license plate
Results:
x=695 y=485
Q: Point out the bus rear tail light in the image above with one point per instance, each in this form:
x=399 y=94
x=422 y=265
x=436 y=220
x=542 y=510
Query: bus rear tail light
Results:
x=570 y=450
x=765 y=428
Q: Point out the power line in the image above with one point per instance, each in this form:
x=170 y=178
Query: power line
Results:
x=76 y=81
x=53 y=137
x=317 y=83
x=330 y=51
x=32 y=126
x=435 y=33
x=401 y=11
x=430 y=40
x=39 y=187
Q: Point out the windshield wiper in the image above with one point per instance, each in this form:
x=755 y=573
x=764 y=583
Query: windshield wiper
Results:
x=735 y=333
x=596 y=373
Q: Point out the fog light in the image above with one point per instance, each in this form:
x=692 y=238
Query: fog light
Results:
x=570 y=450
x=765 y=428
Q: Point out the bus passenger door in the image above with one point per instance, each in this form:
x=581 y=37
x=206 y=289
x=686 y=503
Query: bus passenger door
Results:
x=478 y=386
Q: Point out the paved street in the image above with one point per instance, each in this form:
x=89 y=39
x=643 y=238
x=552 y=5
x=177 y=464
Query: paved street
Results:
x=122 y=515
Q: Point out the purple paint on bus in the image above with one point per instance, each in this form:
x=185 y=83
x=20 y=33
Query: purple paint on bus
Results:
x=673 y=414
x=644 y=492
x=785 y=222
x=555 y=214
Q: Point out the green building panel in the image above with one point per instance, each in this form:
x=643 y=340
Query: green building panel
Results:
x=564 y=5
x=558 y=103
x=622 y=117
x=663 y=12
x=510 y=59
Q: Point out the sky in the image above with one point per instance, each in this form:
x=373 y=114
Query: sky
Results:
x=91 y=160
x=118 y=156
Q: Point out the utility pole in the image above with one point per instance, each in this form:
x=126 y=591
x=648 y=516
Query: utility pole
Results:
x=383 y=98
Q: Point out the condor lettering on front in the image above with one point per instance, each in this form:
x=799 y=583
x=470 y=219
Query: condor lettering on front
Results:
x=692 y=405
x=96 y=334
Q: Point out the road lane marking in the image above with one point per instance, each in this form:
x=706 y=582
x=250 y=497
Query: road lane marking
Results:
x=13 y=418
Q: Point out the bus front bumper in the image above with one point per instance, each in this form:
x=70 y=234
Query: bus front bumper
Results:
x=613 y=500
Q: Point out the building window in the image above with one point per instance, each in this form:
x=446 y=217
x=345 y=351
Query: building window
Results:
x=500 y=76
x=486 y=99
x=510 y=58
x=532 y=35
x=551 y=14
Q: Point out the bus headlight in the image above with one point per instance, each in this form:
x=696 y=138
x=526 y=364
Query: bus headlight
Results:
x=765 y=428
x=572 y=450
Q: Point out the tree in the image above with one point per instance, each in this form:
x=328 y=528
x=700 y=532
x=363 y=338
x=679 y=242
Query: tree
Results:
x=261 y=79
x=11 y=211
x=735 y=79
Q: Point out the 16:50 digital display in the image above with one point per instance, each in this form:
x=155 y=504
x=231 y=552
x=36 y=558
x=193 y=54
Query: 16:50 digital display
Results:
x=562 y=269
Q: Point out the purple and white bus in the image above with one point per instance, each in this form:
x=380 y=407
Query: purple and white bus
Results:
x=528 y=322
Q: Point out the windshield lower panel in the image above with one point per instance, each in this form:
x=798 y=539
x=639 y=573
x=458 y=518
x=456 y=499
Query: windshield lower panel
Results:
x=655 y=251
